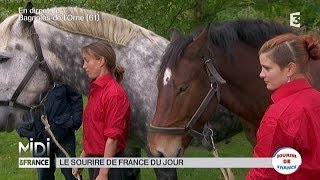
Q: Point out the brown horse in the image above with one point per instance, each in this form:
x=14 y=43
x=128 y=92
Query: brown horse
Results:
x=221 y=63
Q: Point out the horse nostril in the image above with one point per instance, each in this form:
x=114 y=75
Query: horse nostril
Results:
x=160 y=154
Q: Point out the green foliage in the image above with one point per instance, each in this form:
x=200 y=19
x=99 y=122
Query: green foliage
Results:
x=234 y=13
x=162 y=15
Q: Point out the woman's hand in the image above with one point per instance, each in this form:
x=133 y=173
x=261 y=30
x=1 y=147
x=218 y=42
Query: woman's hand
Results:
x=76 y=172
x=103 y=174
x=102 y=177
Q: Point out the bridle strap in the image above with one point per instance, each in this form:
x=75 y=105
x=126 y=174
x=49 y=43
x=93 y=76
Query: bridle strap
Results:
x=176 y=131
x=213 y=72
x=202 y=107
x=193 y=120
x=39 y=57
x=167 y=130
x=25 y=80
x=38 y=63
x=15 y=105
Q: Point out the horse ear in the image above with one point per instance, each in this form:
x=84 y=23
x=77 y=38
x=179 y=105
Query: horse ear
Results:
x=28 y=16
x=204 y=34
x=174 y=34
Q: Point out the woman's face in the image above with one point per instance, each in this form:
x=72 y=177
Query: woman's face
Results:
x=271 y=73
x=91 y=65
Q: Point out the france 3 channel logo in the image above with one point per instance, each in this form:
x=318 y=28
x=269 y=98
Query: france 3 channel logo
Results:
x=39 y=153
x=295 y=19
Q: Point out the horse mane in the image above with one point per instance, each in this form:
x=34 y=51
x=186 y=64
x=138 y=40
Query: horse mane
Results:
x=173 y=52
x=225 y=36
x=250 y=31
x=109 y=27
x=5 y=28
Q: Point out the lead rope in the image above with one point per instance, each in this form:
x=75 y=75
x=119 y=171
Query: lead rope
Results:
x=44 y=120
x=227 y=175
x=226 y=172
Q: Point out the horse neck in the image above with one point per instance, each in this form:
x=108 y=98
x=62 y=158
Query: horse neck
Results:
x=62 y=52
x=245 y=93
x=249 y=105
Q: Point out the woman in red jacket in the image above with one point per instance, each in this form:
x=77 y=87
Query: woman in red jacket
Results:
x=293 y=120
x=106 y=116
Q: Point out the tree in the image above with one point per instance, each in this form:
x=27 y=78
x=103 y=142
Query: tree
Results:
x=162 y=15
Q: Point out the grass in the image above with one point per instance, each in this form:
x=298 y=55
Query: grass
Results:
x=238 y=147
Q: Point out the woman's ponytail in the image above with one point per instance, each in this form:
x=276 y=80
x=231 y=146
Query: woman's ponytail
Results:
x=313 y=47
x=118 y=73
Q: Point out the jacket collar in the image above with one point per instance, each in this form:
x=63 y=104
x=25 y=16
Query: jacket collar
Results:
x=102 y=80
x=289 y=88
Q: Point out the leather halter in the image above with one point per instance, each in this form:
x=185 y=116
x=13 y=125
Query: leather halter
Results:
x=38 y=63
x=215 y=79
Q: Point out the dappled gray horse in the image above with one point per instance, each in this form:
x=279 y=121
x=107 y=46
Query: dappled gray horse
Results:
x=62 y=34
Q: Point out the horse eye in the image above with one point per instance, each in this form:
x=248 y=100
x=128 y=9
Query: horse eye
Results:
x=183 y=88
x=4 y=59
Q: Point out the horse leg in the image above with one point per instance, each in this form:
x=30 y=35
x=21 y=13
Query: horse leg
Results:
x=133 y=173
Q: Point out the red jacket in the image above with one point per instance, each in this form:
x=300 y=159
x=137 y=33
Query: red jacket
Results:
x=292 y=121
x=106 y=115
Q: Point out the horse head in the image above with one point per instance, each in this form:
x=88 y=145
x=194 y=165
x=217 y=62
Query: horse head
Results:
x=187 y=83
x=23 y=72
